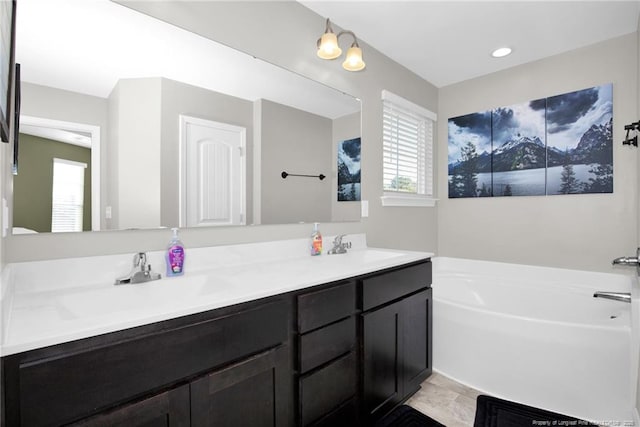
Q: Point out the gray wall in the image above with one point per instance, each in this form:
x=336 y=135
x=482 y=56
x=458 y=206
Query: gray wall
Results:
x=32 y=187
x=294 y=29
x=297 y=142
x=180 y=98
x=583 y=231
x=347 y=127
x=50 y=103
x=113 y=153
x=137 y=165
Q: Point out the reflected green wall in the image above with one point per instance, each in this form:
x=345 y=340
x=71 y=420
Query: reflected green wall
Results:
x=33 y=184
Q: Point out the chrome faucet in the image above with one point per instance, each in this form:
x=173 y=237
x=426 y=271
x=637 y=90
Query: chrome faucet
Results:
x=140 y=273
x=624 y=260
x=616 y=296
x=628 y=260
x=338 y=246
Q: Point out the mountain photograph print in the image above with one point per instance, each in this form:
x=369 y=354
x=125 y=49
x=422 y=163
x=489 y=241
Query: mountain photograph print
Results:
x=349 y=170
x=470 y=155
x=580 y=141
x=557 y=145
x=518 y=157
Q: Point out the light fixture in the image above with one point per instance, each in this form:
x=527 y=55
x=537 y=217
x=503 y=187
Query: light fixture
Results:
x=328 y=49
x=501 y=52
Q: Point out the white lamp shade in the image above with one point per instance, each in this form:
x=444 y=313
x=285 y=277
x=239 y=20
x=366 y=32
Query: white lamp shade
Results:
x=353 y=61
x=328 y=48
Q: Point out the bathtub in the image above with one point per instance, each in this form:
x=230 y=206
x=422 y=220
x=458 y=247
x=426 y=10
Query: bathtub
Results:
x=535 y=335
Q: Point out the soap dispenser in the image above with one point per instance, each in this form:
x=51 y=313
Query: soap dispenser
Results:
x=175 y=255
x=316 y=240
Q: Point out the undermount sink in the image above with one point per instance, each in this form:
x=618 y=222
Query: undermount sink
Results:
x=106 y=300
x=372 y=255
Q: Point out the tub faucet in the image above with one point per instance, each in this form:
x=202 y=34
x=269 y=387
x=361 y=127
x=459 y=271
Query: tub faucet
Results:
x=624 y=260
x=338 y=246
x=140 y=273
x=628 y=260
x=616 y=296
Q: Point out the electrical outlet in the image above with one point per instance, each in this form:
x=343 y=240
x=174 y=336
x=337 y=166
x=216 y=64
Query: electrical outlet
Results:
x=364 y=208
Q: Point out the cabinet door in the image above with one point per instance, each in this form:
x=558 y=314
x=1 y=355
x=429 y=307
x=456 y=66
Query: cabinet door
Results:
x=168 y=409
x=396 y=352
x=416 y=328
x=251 y=393
x=382 y=346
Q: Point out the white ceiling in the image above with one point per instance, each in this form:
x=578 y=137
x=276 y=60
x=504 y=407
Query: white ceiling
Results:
x=446 y=42
x=71 y=44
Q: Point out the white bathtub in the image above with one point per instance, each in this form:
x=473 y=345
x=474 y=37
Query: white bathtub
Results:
x=535 y=335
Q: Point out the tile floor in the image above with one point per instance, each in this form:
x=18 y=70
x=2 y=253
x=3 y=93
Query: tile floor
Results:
x=446 y=401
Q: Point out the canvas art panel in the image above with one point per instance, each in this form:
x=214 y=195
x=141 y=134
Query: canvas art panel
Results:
x=349 y=170
x=470 y=155
x=580 y=141
x=518 y=157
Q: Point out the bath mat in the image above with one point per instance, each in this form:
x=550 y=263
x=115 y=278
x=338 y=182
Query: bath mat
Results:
x=493 y=412
x=406 y=416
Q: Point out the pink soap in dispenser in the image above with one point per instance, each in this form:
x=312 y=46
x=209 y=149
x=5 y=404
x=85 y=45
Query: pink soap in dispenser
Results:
x=175 y=256
x=316 y=240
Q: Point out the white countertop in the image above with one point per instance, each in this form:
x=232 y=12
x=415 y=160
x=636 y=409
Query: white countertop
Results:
x=52 y=302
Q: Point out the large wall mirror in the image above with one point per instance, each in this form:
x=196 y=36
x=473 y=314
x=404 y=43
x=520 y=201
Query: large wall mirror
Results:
x=128 y=122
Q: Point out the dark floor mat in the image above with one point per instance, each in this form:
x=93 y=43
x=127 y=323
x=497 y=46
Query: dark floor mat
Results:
x=494 y=412
x=406 y=416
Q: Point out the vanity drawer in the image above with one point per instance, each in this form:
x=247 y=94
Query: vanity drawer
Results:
x=395 y=284
x=326 y=389
x=61 y=389
x=324 y=344
x=316 y=309
x=346 y=415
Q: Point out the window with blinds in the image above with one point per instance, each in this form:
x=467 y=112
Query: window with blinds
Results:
x=407 y=148
x=68 y=195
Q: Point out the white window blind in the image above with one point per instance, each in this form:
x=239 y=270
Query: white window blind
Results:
x=68 y=195
x=407 y=147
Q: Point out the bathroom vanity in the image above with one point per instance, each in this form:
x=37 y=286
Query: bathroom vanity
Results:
x=331 y=340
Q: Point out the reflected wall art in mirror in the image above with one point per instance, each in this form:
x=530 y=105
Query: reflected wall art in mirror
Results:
x=129 y=122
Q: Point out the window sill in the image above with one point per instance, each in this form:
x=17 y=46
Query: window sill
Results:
x=407 y=201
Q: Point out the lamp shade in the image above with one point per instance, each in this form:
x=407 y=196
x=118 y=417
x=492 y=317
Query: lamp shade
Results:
x=328 y=47
x=353 y=61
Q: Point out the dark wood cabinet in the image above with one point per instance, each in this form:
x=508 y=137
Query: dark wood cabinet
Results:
x=245 y=394
x=167 y=409
x=325 y=390
x=339 y=354
x=74 y=381
x=396 y=342
x=327 y=357
x=382 y=346
x=417 y=341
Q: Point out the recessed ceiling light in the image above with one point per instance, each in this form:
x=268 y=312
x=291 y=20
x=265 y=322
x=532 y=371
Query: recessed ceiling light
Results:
x=500 y=52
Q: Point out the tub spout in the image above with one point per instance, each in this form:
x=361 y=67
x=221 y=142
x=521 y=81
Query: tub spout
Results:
x=617 y=296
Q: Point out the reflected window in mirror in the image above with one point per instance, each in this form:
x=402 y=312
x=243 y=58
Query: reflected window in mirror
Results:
x=133 y=103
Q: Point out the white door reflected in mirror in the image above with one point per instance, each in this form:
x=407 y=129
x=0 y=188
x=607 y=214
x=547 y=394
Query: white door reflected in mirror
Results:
x=212 y=177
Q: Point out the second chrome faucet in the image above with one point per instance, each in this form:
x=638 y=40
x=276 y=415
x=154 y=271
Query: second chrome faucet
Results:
x=339 y=247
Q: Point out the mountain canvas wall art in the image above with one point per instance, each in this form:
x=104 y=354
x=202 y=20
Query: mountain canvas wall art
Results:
x=349 y=170
x=557 y=145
